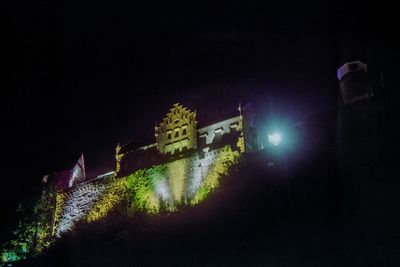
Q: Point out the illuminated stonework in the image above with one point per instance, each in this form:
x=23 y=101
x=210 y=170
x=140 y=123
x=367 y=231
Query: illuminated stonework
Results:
x=177 y=131
x=118 y=157
x=188 y=180
x=183 y=167
x=77 y=204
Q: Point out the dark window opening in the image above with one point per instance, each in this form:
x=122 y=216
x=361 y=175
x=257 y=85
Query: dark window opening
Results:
x=353 y=66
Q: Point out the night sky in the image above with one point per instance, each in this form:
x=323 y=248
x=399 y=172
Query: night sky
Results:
x=82 y=76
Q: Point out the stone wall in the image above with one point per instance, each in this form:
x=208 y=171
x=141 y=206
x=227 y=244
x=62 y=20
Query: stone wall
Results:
x=210 y=133
x=185 y=181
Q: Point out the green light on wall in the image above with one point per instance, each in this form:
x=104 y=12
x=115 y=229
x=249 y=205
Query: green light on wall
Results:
x=168 y=185
x=162 y=187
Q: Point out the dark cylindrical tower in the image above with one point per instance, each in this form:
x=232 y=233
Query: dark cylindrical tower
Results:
x=354 y=82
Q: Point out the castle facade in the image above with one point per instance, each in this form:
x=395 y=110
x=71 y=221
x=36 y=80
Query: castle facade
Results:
x=182 y=167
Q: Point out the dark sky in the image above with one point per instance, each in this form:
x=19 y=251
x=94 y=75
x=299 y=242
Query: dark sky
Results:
x=83 y=76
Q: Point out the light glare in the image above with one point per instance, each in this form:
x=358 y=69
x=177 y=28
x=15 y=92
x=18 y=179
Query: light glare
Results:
x=274 y=139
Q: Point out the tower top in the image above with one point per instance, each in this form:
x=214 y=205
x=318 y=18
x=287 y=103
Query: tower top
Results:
x=353 y=66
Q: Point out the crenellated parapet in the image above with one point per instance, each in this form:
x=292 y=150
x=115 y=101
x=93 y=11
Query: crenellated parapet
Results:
x=183 y=165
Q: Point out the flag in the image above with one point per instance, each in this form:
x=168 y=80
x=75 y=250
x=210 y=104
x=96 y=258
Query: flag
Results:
x=78 y=172
x=45 y=179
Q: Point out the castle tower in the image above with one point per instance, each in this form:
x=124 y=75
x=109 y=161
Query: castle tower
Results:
x=248 y=117
x=177 y=131
x=353 y=82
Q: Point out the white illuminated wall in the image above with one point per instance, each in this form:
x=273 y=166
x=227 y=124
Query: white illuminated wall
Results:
x=179 y=181
x=78 y=203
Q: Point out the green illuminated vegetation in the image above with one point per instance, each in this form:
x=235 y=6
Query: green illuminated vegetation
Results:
x=160 y=188
x=220 y=167
x=33 y=233
x=164 y=187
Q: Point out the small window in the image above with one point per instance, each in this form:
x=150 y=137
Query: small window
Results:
x=169 y=136
x=176 y=134
x=184 y=131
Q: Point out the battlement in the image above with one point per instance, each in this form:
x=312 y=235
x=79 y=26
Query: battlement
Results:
x=182 y=166
x=178 y=136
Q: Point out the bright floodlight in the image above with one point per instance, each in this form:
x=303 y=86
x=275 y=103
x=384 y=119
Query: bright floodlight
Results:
x=274 y=139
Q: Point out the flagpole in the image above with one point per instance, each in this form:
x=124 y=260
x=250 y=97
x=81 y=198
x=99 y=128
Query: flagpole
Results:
x=83 y=167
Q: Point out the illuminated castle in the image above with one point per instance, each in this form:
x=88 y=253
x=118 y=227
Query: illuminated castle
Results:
x=182 y=167
x=180 y=135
